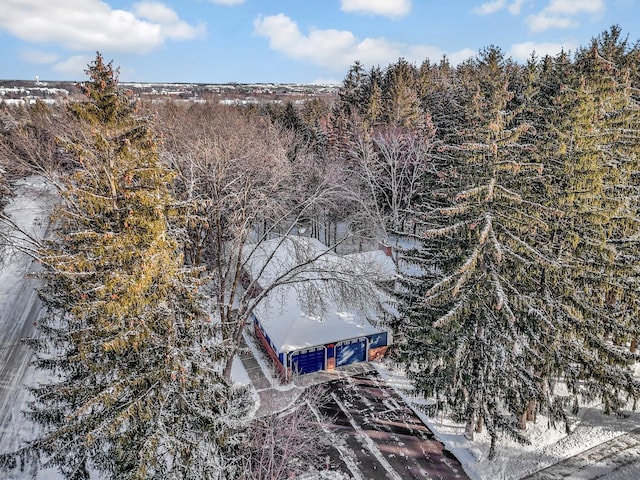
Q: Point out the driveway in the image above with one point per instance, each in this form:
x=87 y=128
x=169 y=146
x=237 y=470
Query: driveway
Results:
x=380 y=437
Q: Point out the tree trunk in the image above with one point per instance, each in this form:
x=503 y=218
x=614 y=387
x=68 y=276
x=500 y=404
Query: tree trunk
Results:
x=522 y=421
x=469 y=429
x=531 y=410
x=226 y=371
x=480 y=424
x=529 y=415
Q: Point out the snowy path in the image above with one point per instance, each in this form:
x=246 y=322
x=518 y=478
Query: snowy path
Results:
x=272 y=397
x=18 y=317
x=20 y=309
x=617 y=459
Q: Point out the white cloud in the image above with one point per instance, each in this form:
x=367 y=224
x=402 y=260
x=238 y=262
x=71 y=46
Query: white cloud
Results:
x=460 y=56
x=496 y=5
x=32 y=55
x=490 y=7
x=84 y=25
x=337 y=49
x=562 y=14
x=523 y=51
x=227 y=2
x=74 y=67
x=155 y=12
x=516 y=7
x=573 y=7
x=387 y=8
x=321 y=47
x=542 y=21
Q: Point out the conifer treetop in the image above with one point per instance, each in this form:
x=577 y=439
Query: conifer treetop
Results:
x=102 y=92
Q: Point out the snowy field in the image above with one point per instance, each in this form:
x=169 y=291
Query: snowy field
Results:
x=20 y=308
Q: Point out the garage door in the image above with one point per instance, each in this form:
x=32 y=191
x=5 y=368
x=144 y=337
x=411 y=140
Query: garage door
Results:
x=308 y=360
x=351 y=351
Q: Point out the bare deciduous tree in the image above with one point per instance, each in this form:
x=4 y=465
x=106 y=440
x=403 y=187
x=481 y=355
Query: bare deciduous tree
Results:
x=392 y=163
x=30 y=140
x=242 y=191
x=286 y=443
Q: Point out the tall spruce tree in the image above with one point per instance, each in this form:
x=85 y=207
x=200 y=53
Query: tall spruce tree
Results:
x=595 y=135
x=135 y=389
x=470 y=324
x=401 y=101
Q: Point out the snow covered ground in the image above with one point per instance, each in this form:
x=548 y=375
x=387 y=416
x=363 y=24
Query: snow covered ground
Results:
x=590 y=427
x=20 y=308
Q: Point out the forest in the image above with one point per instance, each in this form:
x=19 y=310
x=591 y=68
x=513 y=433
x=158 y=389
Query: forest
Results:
x=509 y=192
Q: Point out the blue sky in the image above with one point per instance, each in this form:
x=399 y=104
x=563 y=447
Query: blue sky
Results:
x=282 y=41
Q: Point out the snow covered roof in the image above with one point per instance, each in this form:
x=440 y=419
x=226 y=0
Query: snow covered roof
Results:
x=288 y=314
x=283 y=316
x=383 y=263
x=272 y=258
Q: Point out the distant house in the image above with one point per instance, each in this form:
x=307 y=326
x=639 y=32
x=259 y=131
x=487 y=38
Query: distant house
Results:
x=299 y=341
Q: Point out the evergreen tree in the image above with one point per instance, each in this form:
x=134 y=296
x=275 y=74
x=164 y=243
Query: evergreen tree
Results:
x=351 y=94
x=315 y=114
x=465 y=338
x=372 y=96
x=597 y=140
x=526 y=268
x=136 y=389
x=401 y=102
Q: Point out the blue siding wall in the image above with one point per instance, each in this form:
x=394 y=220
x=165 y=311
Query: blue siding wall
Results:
x=308 y=360
x=351 y=351
x=378 y=340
